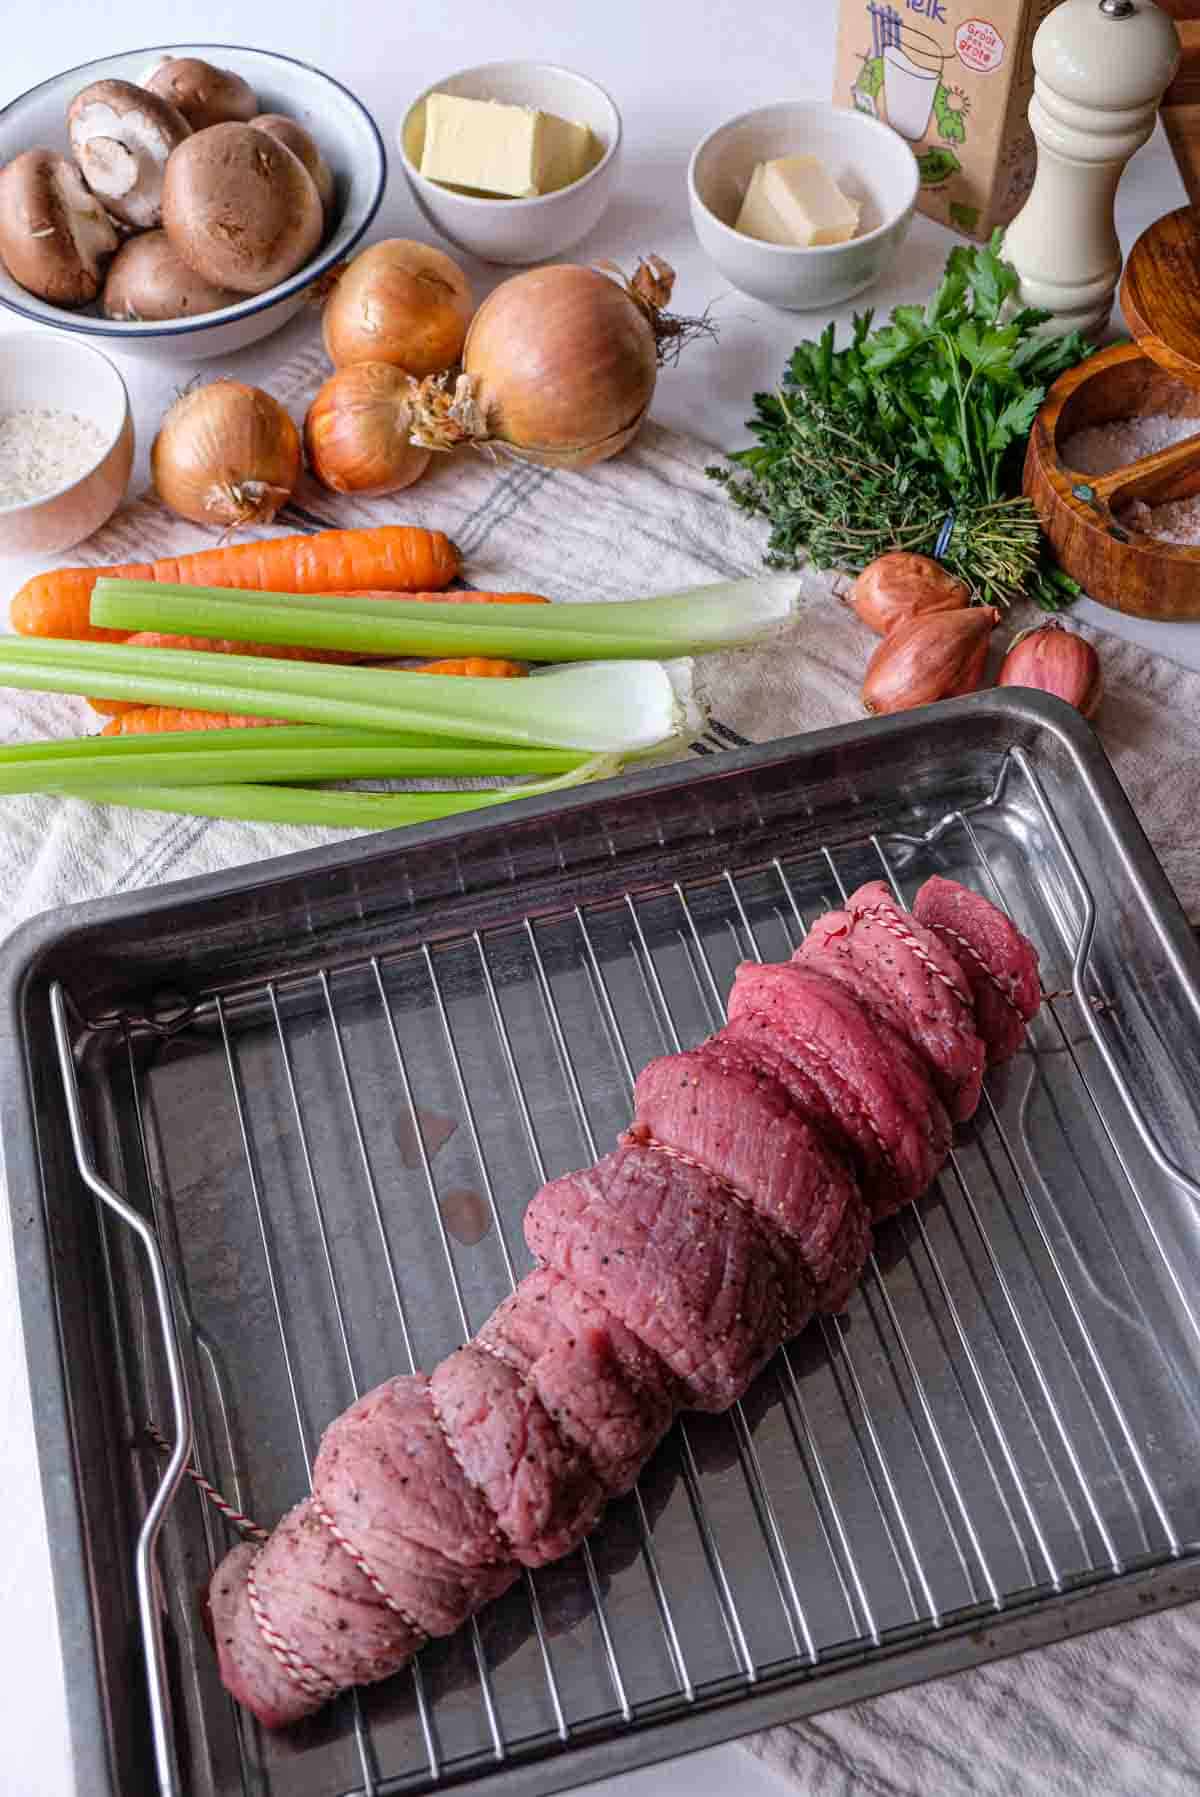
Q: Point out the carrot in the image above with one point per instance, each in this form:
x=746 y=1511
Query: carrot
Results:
x=144 y=720
x=394 y=558
x=479 y=667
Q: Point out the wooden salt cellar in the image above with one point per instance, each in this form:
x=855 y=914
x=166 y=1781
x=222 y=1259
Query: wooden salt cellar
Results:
x=1114 y=562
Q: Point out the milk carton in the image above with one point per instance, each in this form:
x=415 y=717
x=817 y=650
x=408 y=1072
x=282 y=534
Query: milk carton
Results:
x=955 y=78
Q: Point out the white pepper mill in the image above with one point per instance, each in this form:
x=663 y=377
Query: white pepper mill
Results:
x=1102 y=66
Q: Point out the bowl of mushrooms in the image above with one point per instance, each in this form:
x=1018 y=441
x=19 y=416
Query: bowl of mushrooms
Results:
x=181 y=202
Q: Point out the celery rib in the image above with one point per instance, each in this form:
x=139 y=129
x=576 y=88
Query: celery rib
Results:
x=250 y=803
x=215 y=764
x=729 y=615
x=605 y=708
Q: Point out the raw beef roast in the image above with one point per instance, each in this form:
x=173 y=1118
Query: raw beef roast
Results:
x=734 y=1116
x=907 y=976
x=871 y=1078
x=669 y=1250
x=1000 y=964
x=609 y=1394
x=738 y=1203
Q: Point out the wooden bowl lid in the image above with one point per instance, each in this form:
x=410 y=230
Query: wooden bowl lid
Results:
x=1160 y=293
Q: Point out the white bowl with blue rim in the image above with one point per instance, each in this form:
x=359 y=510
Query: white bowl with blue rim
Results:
x=349 y=140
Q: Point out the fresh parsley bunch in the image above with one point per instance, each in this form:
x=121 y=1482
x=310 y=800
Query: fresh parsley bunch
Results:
x=877 y=445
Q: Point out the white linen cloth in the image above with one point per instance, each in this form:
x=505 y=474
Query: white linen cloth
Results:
x=1112 y=1715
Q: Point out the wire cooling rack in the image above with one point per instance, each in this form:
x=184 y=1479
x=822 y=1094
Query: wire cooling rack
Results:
x=325 y=1174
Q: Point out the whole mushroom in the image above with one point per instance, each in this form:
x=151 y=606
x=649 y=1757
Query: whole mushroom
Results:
x=203 y=94
x=302 y=144
x=240 y=208
x=148 y=282
x=121 y=137
x=55 y=236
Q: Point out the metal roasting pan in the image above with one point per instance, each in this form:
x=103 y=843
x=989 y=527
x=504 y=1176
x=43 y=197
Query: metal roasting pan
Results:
x=268 y=1138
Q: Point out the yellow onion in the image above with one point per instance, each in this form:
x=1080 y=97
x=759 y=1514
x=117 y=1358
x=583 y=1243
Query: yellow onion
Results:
x=1055 y=661
x=399 y=302
x=559 y=364
x=937 y=656
x=226 y=454
x=899 y=585
x=356 y=434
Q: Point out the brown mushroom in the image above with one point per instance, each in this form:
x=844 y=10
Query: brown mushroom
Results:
x=54 y=235
x=121 y=136
x=304 y=145
x=240 y=208
x=204 y=95
x=147 y=282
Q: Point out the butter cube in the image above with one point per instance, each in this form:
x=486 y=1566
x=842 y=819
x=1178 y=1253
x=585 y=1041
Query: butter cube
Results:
x=568 y=152
x=758 y=218
x=506 y=151
x=814 y=210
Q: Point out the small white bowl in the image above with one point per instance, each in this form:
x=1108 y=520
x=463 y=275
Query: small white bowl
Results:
x=342 y=126
x=517 y=232
x=39 y=372
x=869 y=161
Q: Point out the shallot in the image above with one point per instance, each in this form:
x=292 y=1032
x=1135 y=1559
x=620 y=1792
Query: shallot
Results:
x=937 y=656
x=1055 y=661
x=226 y=454
x=900 y=585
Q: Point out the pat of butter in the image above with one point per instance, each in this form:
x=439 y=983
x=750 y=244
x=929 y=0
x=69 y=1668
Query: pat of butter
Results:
x=513 y=152
x=794 y=200
x=568 y=152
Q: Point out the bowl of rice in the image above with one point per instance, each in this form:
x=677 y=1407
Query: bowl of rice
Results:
x=66 y=442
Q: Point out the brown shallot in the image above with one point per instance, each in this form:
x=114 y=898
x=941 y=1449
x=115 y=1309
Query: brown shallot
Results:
x=900 y=585
x=226 y=454
x=356 y=434
x=937 y=656
x=1055 y=661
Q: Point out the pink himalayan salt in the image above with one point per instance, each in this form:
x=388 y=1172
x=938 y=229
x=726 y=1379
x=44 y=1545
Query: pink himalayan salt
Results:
x=1176 y=521
x=1105 y=448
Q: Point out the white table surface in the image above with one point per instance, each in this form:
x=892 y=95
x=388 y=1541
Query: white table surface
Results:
x=674 y=72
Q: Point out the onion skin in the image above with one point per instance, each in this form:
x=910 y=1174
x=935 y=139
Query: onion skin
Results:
x=1054 y=660
x=356 y=434
x=399 y=302
x=937 y=656
x=564 y=363
x=898 y=586
x=226 y=454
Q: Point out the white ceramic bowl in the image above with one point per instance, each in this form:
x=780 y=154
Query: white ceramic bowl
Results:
x=44 y=373
x=868 y=160
x=517 y=232
x=343 y=127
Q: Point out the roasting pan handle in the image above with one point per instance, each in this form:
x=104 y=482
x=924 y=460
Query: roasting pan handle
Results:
x=181 y=1416
x=1083 y=949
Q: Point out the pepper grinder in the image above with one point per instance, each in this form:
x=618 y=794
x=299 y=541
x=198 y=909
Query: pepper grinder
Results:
x=1101 y=67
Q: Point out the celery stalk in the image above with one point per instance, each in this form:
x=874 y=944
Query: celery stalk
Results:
x=604 y=708
x=728 y=615
x=228 y=742
x=214 y=764
x=250 y=803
